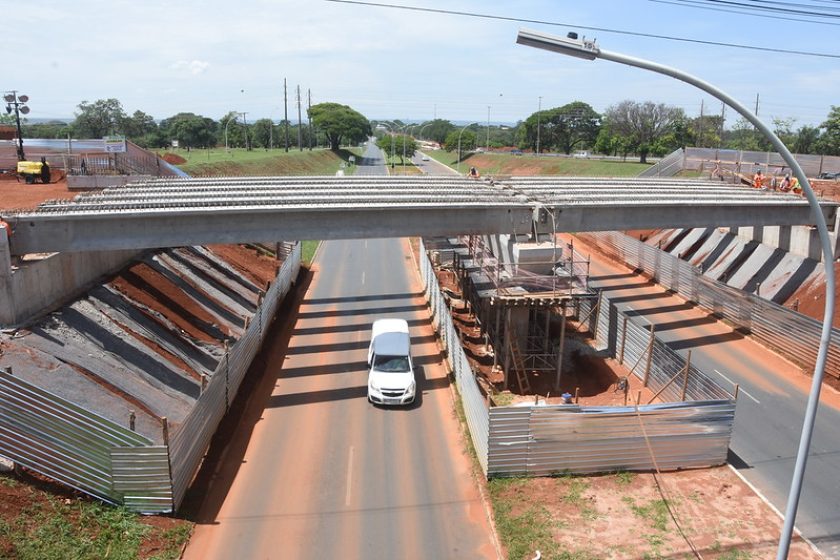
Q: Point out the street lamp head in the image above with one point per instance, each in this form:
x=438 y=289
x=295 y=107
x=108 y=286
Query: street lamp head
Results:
x=571 y=45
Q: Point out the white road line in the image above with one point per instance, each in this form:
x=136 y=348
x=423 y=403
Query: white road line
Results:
x=739 y=390
x=349 y=476
x=363 y=278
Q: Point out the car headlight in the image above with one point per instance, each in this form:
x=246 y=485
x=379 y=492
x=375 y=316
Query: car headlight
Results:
x=412 y=386
x=373 y=386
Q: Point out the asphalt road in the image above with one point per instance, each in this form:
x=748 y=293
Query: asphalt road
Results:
x=770 y=408
x=327 y=475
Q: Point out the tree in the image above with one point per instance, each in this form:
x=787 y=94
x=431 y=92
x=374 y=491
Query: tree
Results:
x=743 y=136
x=262 y=134
x=467 y=141
x=98 y=119
x=807 y=138
x=190 y=130
x=642 y=124
x=562 y=128
x=339 y=122
x=829 y=142
x=137 y=125
x=437 y=130
x=399 y=140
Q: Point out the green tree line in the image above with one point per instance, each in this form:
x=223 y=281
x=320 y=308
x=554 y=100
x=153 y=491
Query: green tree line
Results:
x=332 y=123
x=627 y=128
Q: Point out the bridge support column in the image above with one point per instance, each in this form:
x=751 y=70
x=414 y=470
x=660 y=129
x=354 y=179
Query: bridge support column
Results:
x=7 y=313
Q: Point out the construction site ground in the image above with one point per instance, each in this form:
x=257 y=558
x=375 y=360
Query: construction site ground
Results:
x=709 y=513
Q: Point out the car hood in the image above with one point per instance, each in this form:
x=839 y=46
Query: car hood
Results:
x=390 y=379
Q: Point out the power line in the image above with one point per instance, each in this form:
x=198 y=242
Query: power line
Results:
x=745 y=13
x=601 y=29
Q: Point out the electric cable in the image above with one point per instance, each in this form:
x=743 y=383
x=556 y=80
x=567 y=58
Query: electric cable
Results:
x=601 y=29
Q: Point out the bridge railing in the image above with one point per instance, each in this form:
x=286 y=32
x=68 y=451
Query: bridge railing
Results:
x=791 y=334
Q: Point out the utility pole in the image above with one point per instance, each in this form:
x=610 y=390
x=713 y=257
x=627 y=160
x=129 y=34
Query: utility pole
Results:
x=247 y=140
x=300 y=123
x=700 y=127
x=539 y=110
x=309 y=115
x=286 y=112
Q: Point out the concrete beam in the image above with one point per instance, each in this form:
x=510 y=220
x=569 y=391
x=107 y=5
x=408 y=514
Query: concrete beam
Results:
x=72 y=233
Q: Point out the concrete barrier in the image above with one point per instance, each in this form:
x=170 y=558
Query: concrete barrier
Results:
x=30 y=289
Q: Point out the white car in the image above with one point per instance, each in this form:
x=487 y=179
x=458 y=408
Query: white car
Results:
x=425 y=157
x=391 y=377
x=582 y=154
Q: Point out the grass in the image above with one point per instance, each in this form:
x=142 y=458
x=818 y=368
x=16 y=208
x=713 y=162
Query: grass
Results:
x=655 y=511
x=307 y=252
x=522 y=529
x=508 y=164
x=240 y=162
x=54 y=529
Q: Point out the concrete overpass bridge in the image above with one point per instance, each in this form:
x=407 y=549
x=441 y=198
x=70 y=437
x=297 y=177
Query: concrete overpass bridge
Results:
x=180 y=212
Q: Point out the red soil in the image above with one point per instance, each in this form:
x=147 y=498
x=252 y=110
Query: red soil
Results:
x=252 y=264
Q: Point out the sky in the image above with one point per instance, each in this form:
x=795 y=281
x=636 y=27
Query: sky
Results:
x=210 y=57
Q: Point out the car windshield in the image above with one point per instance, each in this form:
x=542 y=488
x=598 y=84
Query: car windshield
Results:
x=397 y=364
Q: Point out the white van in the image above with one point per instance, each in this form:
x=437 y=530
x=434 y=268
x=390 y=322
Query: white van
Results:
x=391 y=377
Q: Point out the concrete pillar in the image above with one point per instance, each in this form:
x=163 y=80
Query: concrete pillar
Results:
x=5 y=255
x=7 y=310
x=784 y=238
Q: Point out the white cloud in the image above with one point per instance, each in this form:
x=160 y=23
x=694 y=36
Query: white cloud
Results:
x=194 y=67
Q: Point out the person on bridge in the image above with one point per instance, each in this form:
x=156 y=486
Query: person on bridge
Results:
x=785 y=185
x=474 y=173
x=45 y=170
x=758 y=180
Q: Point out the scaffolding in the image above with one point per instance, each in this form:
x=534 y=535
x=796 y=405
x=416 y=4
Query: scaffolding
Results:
x=538 y=291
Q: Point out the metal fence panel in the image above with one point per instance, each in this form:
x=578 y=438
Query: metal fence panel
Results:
x=546 y=440
x=791 y=334
x=474 y=404
x=50 y=435
x=192 y=438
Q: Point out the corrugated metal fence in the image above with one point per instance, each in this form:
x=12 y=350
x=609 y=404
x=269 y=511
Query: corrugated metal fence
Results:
x=192 y=438
x=81 y=449
x=475 y=406
x=85 y=451
x=543 y=440
x=793 y=335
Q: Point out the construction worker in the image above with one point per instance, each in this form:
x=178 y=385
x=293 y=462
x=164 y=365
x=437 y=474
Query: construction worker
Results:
x=758 y=180
x=45 y=170
x=474 y=173
x=785 y=185
x=795 y=186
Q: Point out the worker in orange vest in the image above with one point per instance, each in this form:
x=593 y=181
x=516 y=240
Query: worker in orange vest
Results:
x=757 y=180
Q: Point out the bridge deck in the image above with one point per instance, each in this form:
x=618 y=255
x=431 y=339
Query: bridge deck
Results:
x=176 y=212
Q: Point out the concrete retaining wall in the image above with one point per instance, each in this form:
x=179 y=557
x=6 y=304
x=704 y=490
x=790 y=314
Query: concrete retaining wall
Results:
x=37 y=287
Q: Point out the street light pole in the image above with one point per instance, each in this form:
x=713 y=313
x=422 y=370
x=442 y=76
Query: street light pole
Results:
x=587 y=50
x=459 y=145
x=226 y=136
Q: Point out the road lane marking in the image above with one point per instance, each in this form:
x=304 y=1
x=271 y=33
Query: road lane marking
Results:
x=739 y=389
x=363 y=278
x=349 y=476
